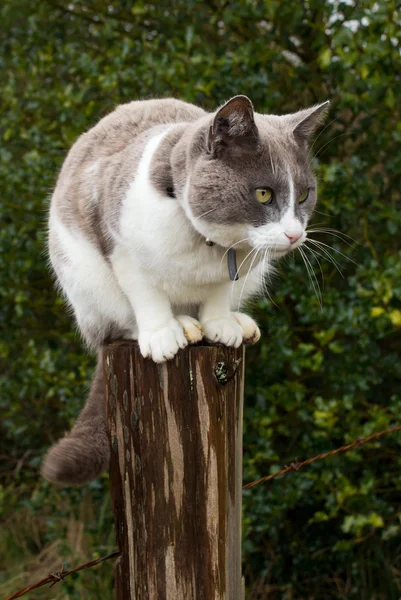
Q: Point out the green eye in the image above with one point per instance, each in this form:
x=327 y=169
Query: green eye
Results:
x=303 y=196
x=264 y=195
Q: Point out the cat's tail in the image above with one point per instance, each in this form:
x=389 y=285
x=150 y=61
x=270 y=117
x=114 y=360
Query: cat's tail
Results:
x=83 y=453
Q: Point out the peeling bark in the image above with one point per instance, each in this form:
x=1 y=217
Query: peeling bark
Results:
x=176 y=472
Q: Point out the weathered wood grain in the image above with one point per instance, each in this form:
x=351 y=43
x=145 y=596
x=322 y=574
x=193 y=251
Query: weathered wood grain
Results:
x=176 y=472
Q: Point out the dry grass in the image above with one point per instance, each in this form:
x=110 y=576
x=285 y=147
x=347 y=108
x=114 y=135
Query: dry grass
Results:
x=25 y=558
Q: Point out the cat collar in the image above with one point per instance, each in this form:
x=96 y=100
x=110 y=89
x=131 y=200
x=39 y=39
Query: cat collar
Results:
x=231 y=261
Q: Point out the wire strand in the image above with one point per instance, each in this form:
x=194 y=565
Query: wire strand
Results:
x=296 y=466
x=58 y=576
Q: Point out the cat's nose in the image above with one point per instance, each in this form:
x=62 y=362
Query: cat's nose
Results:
x=293 y=237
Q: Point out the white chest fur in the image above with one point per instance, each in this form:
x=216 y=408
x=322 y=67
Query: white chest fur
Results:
x=158 y=240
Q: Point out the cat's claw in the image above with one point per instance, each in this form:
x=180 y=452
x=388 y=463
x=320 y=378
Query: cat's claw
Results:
x=250 y=330
x=232 y=331
x=162 y=344
x=225 y=330
x=192 y=328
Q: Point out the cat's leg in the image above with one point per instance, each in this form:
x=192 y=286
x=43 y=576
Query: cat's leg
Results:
x=218 y=323
x=242 y=290
x=86 y=277
x=222 y=325
x=160 y=335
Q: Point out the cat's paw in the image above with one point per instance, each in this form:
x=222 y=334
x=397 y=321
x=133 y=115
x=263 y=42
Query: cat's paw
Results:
x=226 y=330
x=164 y=343
x=192 y=328
x=250 y=330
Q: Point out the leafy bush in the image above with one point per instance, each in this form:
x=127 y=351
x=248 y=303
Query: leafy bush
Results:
x=319 y=378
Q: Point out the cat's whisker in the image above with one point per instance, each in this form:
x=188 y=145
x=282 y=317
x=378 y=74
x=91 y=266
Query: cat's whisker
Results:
x=261 y=267
x=322 y=213
x=334 y=232
x=249 y=254
x=327 y=256
x=325 y=249
x=265 y=285
x=317 y=137
x=312 y=277
x=320 y=151
x=266 y=257
x=316 y=224
x=205 y=213
x=272 y=249
x=247 y=275
x=272 y=164
x=315 y=256
x=314 y=280
x=271 y=160
x=319 y=243
x=228 y=249
x=263 y=263
x=238 y=270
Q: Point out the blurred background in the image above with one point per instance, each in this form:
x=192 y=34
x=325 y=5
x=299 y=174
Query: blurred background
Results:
x=319 y=378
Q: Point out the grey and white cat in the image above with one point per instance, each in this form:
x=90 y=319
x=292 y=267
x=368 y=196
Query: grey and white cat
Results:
x=136 y=199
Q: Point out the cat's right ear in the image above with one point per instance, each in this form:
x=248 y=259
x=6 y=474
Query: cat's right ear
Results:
x=233 y=128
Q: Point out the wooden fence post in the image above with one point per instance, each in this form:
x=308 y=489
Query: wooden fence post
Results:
x=176 y=472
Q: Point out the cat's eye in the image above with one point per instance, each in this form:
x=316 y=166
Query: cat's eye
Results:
x=264 y=195
x=303 y=196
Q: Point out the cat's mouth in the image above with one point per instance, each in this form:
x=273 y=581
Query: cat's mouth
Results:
x=274 y=252
x=278 y=253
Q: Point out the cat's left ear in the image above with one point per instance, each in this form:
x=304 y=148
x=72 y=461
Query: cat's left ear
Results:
x=233 y=127
x=305 y=122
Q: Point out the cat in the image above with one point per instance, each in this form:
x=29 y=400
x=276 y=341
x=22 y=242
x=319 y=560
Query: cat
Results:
x=147 y=207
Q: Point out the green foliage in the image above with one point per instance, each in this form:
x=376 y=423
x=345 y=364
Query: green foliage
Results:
x=319 y=378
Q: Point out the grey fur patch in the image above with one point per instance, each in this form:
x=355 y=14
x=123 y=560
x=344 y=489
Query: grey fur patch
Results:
x=161 y=171
x=102 y=163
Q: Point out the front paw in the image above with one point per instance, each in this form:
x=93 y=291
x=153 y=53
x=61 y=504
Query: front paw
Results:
x=164 y=343
x=225 y=330
x=250 y=330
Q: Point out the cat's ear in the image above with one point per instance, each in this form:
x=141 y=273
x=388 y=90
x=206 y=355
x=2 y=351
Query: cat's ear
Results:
x=305 y=122
x=233 y=127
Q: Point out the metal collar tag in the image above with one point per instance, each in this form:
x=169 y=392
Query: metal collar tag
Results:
x=232 y=264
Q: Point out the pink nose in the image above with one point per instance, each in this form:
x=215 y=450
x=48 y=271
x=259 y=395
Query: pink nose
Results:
x=293 y=237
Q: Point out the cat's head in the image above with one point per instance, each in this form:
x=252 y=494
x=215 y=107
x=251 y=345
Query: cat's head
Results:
x=253 y=179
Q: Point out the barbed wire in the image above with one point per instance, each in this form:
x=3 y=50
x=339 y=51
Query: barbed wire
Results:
x=58 y=576
x=296 y=465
